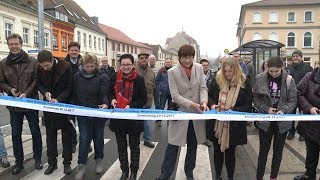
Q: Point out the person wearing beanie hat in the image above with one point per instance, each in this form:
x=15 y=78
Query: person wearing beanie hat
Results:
x=298 y=52
x=297 y=69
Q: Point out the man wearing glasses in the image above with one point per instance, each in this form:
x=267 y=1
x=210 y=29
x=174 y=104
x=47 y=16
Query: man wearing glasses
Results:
x=145 y=71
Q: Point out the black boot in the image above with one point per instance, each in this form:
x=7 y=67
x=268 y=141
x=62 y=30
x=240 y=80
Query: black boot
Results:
x=50 y=169
x=17 y=169
x=133 y=176
x=67 y=169
x=124 y=175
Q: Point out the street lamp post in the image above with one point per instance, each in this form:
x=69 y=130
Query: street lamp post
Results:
x=41 y=25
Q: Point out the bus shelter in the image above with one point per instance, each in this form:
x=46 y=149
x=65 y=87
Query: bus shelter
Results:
x=259 y=52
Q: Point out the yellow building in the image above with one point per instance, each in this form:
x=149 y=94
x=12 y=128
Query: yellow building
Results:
x=295 y=23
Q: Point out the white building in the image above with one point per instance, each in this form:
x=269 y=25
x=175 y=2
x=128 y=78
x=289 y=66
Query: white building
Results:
x=23 y=20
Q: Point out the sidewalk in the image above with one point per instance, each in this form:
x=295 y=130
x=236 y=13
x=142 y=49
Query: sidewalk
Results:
x=293 y=157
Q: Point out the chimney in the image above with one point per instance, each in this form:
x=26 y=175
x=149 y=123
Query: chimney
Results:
x=95 y=19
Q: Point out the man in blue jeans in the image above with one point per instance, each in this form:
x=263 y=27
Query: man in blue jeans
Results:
x=18 y=79
x=3 y=153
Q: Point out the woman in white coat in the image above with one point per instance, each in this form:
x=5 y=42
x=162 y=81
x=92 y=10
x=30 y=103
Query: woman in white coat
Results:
x=188 y=89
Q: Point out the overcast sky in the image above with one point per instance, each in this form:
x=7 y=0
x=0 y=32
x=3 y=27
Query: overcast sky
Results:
x=211 y=23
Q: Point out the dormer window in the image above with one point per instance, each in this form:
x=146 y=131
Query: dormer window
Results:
x=57 y=15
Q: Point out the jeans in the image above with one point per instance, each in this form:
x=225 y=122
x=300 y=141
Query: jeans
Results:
x=156 y=99
x=147 y=131
x=265 y=143
x=171 y=153
x=91 y=128
x=312 y=158
x=16 y=120
x=3 y=149
x=163 y=99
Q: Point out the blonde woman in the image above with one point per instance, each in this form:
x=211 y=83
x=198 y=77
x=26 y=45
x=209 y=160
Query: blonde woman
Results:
x=230 y=90
x=91 y=89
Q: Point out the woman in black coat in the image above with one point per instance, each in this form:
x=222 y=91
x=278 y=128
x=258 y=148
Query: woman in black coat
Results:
x=228 y=77
x=129 y=92
x=309 y=103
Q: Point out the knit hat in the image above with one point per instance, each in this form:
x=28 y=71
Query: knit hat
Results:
x=297 y=52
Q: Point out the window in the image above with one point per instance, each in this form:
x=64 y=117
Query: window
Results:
x=273 y=17
x=291 y=17
x=131 y=49
x=135 y=50
x=95 y=42
x=54 y=39
x=113 y=46
x=25 y=35
x=123 y=48
x=57 y=15
x=256 y=36
x=102 y=44
x=79 y=37
x=307 y=39
x=118 y=47
x=307 y=60
x=8 y=29
x=35 y=38
x=273 y=36
x=256 y=17
x=63 y=41
x=61 y=17
x=84 y=40
x=308 y=16
x=128 y=49
x=99 y=43
x=90 y=41
x=291 y=38
x=46 y=39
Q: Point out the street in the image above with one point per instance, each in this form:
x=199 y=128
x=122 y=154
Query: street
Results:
x=151 y=159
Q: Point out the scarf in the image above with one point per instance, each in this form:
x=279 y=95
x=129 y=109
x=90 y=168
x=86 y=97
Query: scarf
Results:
x=85 y=74
x=187 y=70
x=227 y=99
x=17 y=58
x=124 y=88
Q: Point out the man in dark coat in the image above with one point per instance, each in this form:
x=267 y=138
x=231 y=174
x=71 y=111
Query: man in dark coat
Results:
x=18 y=76
x=55 y=83
x=297 y=70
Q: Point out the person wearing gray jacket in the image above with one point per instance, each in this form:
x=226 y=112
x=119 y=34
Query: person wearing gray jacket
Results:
x=273 y=95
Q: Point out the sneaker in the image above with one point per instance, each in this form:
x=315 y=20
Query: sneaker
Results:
x=99 y=166
x=304 y=177
x=4 y=162
x=80 y=172
x=38 y=165
x=149 y=144
x=301 y=138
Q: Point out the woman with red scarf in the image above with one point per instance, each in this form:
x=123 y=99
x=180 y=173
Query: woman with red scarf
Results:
x=129 y=92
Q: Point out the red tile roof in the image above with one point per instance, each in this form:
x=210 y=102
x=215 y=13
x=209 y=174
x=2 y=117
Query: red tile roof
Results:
x=117 y=35
x=282 y=3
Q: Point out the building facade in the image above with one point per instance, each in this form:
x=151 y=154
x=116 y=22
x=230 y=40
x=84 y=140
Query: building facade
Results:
x=294 y=23
x=180 y=39
x=16 y=17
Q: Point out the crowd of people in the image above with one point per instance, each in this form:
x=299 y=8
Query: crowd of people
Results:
x=188 y=87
